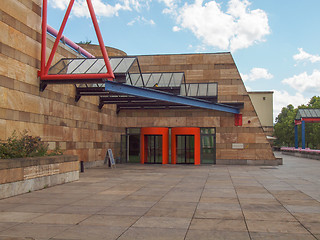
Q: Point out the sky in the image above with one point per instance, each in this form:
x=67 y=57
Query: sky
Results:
x=275 y=43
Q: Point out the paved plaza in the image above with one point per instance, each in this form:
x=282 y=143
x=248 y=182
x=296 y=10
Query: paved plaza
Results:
x=173 y=202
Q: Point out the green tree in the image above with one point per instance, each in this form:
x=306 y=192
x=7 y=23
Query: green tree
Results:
x=284 y=127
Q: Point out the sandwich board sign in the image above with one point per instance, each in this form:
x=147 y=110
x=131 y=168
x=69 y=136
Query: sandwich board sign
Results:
x=111 y=158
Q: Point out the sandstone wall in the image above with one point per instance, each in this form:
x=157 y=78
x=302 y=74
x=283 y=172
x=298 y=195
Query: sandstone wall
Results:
x=208 y=68
x=78 y=128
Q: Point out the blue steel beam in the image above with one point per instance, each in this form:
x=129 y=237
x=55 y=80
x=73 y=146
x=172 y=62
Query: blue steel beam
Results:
x=303 y=132
x=168 y=97
x=296 y=141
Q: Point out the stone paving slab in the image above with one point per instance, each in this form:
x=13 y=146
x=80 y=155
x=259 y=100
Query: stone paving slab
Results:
x=134 y=201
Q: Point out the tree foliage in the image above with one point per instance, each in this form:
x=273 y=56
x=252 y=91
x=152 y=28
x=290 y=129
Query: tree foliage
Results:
x=284 y=127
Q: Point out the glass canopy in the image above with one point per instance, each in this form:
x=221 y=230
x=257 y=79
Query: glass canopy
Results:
x=127 y=71
x=120 y=66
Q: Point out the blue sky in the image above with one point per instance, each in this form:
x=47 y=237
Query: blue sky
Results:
x=275 y=43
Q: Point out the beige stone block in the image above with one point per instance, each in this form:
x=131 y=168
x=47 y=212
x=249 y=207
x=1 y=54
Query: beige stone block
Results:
x=229 y=74
x=227 y=122
x=3 y=132
x=228 y=138
x=228 y=90
x=261 y=138
x=247 y=154
x=23 y=101
x=3 y=97
x=178 y=59
x=68 y=167
x=3 y=65
x=145 y=60
x=52 y=145
x=250 y=122
x=195 y=58
x=161 y=60
x=246 y=137
x=194 y=75
x=11 y=175
x=241 y=89
x=229 y=154
x=63 y=145
x=264 y=154
x=57 y=109
x=211 y=75
x=248 y=106
x=12 y=126
x=218 y=58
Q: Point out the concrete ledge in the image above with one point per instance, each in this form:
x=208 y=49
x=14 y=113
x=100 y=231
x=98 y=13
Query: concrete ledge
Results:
x=267 y=162
x=19 y=176
x=93 y=164
x=302 y=154
x=20 y=187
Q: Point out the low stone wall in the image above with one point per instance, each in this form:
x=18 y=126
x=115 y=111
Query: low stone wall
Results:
x=311 y=155
x=23 y=175
x=271 y=162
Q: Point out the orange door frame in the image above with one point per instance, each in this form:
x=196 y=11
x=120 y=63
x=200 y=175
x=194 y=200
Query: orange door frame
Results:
x=185 y=131
x=164 y=132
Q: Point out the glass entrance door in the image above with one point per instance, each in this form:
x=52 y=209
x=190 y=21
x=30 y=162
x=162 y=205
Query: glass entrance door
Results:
x=154 y=149
x=208 y=146
x=185 y=149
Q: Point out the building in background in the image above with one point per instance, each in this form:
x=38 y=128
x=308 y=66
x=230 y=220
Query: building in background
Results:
x=263 y=104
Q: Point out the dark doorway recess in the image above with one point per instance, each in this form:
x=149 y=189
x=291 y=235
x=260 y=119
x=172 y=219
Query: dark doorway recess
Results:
x=185 y=149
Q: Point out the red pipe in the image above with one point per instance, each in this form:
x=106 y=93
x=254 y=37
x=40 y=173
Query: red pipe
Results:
x=70 y=43
x=101 y=43
x=77 y=76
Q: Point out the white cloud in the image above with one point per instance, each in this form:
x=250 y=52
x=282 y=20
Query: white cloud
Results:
x=142 y=20
x=171 y=6
x=304 y=82
x=238 y=27
x=102 y=9
x=304 y=56
x=255 y=74
x=176 y=29
x=283 y=98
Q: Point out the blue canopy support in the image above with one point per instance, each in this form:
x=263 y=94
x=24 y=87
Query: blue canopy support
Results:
x=112 y=86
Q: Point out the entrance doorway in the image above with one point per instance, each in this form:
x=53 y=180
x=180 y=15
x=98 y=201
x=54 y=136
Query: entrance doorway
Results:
x=185 y=145
x=185 y=149
x=153 y=143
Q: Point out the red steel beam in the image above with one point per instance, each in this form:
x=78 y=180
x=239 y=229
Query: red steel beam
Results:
x=101 y=43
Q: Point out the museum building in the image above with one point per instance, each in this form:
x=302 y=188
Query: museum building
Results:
x=166 y=109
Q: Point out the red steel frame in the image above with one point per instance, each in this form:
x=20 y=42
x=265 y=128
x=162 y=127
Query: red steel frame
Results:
x=45 y=67
x=185 y=131
x=298 y=122
x=164 y=132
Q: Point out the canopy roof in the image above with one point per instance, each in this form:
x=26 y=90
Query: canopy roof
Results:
x=308 y=113
x=131 y=88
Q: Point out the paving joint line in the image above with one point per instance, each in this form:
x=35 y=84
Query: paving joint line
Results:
x=285 y=207
x=197 y=205
x=146 y=211
x=244 y=218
